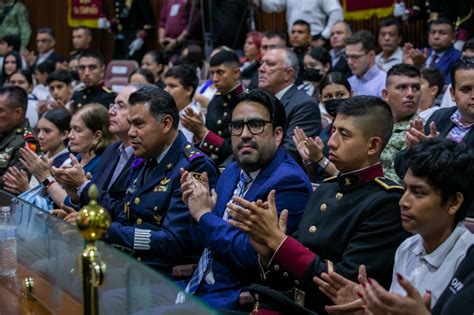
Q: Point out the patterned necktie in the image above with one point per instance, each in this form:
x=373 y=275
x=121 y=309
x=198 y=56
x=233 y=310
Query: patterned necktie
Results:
x=206 y=258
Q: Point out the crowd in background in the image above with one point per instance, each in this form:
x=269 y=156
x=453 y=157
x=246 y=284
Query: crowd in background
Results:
x=361 y=127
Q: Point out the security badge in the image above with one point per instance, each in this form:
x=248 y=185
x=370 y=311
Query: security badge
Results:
x=5 y=157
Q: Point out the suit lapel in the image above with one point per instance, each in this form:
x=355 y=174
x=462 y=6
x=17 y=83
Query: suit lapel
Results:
x=227 y=192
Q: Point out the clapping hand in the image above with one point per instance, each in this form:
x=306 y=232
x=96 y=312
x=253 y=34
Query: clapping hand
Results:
x=196 y=194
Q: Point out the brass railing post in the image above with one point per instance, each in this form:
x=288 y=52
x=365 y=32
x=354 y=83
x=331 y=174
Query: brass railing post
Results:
x=93 y=222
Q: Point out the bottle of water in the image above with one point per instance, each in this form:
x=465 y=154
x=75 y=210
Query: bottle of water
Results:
x=7 y=243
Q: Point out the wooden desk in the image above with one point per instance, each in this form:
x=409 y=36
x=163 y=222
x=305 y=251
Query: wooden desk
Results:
x=13 y=302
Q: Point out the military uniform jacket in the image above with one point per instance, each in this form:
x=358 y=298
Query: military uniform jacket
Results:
x=350 y=220
x=216 y=142
x=10 y=145
x=154 y=224
x=97 y=94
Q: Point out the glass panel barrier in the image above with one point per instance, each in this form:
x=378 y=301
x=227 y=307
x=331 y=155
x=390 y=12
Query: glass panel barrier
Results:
x=47 y=252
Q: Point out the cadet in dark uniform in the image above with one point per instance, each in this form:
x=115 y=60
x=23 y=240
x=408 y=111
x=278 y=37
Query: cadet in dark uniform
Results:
x=91 y=74
x=350 y=220
x=132 y=22
x=153 y=223
x=15 y=130
x=213 y=137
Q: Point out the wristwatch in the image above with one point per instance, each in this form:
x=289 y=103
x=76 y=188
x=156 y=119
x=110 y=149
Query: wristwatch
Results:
x=48 y=181
x=323 y=163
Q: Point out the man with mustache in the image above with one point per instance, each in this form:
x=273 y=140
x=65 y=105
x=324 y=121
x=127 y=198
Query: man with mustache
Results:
x=402 y=92
x=153 y=223
x=256 y=127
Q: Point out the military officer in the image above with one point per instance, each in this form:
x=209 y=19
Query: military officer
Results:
x=350 y=220
x=213 y=136
x=15 y=130
x=154 y=224
x=91 y=74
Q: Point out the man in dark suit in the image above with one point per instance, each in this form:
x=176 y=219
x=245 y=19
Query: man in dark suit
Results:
x=257 y=129
x=45 y=42
x=339 y=32
x=277 y=74
x=115 y=166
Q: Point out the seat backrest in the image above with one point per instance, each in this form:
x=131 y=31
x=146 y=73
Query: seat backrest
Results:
x=116 y=83
x=120 y=68
x=469 y=224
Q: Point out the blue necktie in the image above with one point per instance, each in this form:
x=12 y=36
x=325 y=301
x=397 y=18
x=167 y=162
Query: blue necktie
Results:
x=206 y=258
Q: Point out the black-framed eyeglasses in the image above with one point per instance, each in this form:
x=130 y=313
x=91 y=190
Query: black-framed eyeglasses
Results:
x=255 y=126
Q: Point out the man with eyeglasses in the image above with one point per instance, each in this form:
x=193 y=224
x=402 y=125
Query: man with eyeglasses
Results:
x=45 y=43
x=257 y=128
x=91 y=74
x=114 y=169
x=367 y=78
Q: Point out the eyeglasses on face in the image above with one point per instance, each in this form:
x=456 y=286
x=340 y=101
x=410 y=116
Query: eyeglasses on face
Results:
x=255 y=126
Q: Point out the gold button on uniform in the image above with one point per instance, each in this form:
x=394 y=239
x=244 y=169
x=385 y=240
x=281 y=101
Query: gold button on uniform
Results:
x=339 y=196
x=312 y=229
x=323 y=207
x=137 y=200
x=139 y=221
x=276 y=267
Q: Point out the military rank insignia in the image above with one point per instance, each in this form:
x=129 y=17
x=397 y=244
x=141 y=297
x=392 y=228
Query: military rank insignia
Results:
x=196 y=176
x=5 y=157
x=163 y=186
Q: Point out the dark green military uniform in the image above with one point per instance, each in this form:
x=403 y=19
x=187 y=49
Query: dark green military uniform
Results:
x=97 y=94
x=10 y=145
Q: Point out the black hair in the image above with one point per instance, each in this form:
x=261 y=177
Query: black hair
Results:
x=334 y=78
x=187 y=76
x=465 y=63
x=224 y=58
x=276 y=109
x=446 y=165
x=434 y=77
x=195 y=55
x=365 y=37
x=373 y=114
x=12 y=40
x=16 y=96
x=469 y=45
x=93 y=54
x=17 y=57
x=391 y=21
x=159 y=102
x=59 y=75
x=274 y=34
x=158 y=57
x=303 y=23
x=146 y=73
x=46 y=30
x=402 y=69
x=27 y=74
x=59 y=117
x=442 y=20
x=46 y=67
x=320 y=54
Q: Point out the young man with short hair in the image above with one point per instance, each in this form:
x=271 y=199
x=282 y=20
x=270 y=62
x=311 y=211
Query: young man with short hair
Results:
x=350 y=219
x=367 y=78
x=212 y=136
x=432 y=85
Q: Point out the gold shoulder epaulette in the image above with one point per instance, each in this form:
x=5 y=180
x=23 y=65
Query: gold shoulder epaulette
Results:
x=329 y=179
x=388 y=184
x=106 y=89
